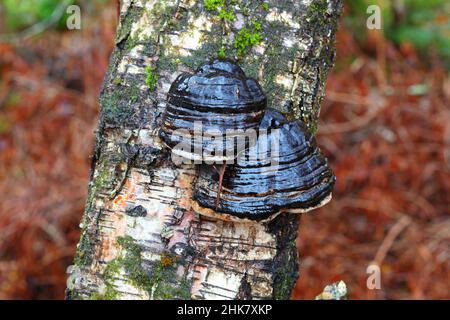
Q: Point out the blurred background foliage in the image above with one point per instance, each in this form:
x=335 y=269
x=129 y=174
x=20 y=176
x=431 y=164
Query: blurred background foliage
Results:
x=385 y=128
x=425 y=24
x=20 y=14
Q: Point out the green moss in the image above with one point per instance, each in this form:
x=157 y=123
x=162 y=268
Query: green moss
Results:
x=163 y=275
x=227 y=15
x=181 y=291
x=132 y=263
x=160 y=280
x=285 y=263
x=265 y=6
x=317 y=11
x=103 y=175
x=83 y=256
x=97 y=296
x=318 y=6
x=152 y=78
x=84 y=252
x=214 y=5
x=109 y=103
x=117 y=104
x=221 y=52
x=109 y=294
x=131 y=43
x=118 y=81
x=283 y=285
x=247 y=37
x=221 y=7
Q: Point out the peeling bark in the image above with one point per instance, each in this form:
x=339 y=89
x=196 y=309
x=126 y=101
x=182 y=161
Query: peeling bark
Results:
x=140 y=238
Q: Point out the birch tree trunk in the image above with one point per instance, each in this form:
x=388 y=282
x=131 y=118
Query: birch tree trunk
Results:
x=139 y=237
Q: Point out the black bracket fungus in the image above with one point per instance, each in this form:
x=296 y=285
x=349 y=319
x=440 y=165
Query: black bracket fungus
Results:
x=278 y=168
x=283 y=172
x=208 y=111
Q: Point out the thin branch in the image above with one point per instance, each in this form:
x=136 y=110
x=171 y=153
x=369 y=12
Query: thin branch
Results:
x=388 y=241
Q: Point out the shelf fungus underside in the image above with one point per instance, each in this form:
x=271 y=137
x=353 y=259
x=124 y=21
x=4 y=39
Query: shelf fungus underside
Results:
x=283 y=172
x=209 y=109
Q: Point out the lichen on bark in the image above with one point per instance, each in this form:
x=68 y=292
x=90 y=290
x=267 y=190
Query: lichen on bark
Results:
x=140 y=238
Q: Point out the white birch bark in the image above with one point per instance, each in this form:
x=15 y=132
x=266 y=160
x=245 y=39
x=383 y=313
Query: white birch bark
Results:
x=140 y=238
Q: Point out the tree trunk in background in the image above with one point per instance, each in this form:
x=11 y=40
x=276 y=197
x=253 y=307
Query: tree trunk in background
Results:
x=140 y=239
